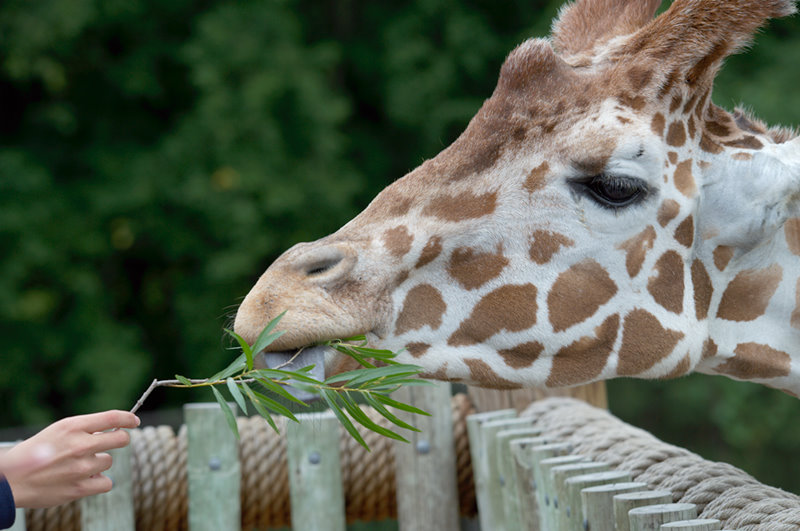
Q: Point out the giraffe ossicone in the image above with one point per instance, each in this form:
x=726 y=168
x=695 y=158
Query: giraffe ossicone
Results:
x=599 y=217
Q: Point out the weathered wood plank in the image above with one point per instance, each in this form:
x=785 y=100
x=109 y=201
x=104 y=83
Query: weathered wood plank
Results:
x=698 y=524
x=113 y=510
x=598 y=503
x=212 y=463
x=508 y=473
x=560 y=474
x=527 y=454
x=315 y=476
x=651 y=518
x=623 y=503
x=575 y=512
x=427 y=486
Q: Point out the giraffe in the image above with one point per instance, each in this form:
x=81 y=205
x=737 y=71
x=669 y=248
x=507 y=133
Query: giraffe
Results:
x=599 y=217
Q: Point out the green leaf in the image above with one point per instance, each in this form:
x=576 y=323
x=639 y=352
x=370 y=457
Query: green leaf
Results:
x=237 y=365
x=387 y=414
x=259 y=407
x=359 y=416
x=275 y=406
x=226 y=410
x=248 y=353
x=330 y=399
x=400 y=405
x=266 y=336
x=279 y=389
x=236 y=394
x=184 y=380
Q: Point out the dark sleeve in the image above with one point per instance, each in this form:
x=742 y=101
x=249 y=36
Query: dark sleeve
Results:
x=8 y=512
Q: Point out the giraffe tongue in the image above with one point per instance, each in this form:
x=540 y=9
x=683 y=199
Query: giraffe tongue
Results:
x=294 y=361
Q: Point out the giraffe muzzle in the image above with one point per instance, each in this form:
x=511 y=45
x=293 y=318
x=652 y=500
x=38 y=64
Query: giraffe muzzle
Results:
x=294 y=361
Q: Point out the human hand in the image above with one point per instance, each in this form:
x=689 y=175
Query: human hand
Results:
x=65 y=460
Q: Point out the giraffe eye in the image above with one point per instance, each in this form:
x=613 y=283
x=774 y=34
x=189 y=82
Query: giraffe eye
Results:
x=614 y=192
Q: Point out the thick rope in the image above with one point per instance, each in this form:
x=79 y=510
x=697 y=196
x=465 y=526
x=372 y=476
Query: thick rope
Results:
x=160 y=488
x=718 y=489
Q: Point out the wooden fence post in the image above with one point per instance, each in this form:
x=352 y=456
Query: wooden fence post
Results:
x=477 y=450
x=560 y=474
x=545 y=490
x=315 y=475
x=212 y=462
x=700 y=524
x=508 y=473
x=527 y=455
x=575 y=511
x=427 y=489
x=651 y=517
x=623 y=503
x=494 y=480
x=113 y=510
x=598 y=503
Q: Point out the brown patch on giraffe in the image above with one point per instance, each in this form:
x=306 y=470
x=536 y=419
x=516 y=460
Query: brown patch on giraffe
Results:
x=791 y=229
x=439 y=374
x=583 y=360
x=747 y=142
x=398 y=241
x=668 y=211
x=709 y=146
x=684 y=180
x=666 y=286
x=522 y=355
x=423 y=306
x=672 y=79
x=684 y=233
x=429 y=253
x=747 y=296
x=635 y=102
x=473 y=269
x=463 y=206
x=401 y=277
x=545 y=244
x=644 y=343
x=692 y=126
x=417 y=349
x=676 y=102
x=481 y=373
x=535 y=180
x=680 y=369
x=511 y=307
x=639 y=77
x=394 y=205
x=623 y=120
x=722 y=256
x=703 y=289
x=658 y=123
x=690 y=103
x=717 y=129
x=753 y=360
x=676 y=134
x=577 y=294
x=742 y=155
x=795 y=318
x=636 y=249
x=706 y=64
x=709 y=349
x=673 y=157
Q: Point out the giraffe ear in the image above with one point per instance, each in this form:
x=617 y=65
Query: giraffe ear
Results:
x=583 y=24
x=692 y=38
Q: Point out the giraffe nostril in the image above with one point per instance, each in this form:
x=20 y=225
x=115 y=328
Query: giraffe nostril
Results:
x=325 y=263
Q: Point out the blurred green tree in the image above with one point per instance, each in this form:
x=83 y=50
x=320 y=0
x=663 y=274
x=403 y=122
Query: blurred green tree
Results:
x=156 y=156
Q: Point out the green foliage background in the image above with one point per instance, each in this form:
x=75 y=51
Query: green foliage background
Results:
x=156 y=156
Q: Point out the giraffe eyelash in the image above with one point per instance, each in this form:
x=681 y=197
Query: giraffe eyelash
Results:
x=612 y=191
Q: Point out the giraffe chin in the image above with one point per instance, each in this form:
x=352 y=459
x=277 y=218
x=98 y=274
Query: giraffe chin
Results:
x=294 y=360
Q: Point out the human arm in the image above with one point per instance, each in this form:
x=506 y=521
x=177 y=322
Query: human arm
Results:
x=65 y=460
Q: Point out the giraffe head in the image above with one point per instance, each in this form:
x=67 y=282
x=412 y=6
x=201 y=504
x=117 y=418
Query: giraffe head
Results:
x=599 y=217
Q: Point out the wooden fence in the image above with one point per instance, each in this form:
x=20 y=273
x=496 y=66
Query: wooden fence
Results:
x=527 y=477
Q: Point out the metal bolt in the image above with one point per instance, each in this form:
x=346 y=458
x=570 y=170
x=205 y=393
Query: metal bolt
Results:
x=533 y=484
x=546 y=500
x=215 y=463
x=314 y=458
x=555 y=503
x=423 y=447
x=585 y=524
x=569 y=512
x=502 y=481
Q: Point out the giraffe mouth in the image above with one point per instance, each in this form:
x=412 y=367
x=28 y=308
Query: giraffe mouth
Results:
x=295 y=360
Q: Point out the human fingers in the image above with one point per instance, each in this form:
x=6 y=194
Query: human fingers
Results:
x=107 y=440
x=105 y=420
x=98 y=463
x=95 y=484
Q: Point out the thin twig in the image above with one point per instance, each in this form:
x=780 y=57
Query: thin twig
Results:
x=177 y=383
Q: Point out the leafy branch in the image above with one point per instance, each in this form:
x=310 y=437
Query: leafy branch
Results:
x=371 y=383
